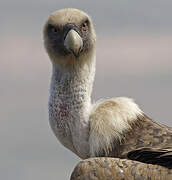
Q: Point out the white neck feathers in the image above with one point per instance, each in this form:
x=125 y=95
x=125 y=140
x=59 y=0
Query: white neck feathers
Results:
x=70 y=105
x=108 y=121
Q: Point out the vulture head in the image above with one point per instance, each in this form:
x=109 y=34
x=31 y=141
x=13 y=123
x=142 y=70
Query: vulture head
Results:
x=69 y=37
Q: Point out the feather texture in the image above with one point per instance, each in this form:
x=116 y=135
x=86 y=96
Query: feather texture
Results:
x=109 y=120
x=161 y=157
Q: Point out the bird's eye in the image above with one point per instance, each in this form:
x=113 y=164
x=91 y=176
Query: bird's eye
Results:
x=84 y=26
x=54 y=30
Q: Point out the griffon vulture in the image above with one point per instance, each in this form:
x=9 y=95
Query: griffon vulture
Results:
x=114 y=127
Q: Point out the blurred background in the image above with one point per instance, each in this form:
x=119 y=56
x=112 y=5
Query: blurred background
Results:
x=134 y=59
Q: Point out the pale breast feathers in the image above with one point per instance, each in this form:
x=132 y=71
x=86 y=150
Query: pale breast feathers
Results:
x=108 y=121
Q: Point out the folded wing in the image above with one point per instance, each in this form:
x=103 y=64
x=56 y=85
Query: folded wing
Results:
x=161 y=157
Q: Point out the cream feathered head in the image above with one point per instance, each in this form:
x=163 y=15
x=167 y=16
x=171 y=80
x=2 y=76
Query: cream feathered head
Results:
x=69 y=37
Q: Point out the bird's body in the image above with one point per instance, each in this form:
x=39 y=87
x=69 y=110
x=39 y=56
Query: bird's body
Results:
x=113 y=127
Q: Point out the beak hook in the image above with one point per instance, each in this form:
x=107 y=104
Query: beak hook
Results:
x=73 y=42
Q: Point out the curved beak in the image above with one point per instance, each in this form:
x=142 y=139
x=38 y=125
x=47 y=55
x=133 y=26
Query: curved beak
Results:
x=73 y=42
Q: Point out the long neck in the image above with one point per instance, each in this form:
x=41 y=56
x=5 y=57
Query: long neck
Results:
x=70 y=104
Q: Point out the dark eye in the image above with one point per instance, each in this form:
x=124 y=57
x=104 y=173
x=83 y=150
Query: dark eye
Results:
x=84 y=26
x=54 y=30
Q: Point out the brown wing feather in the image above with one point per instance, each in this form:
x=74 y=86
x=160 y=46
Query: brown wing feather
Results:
x=161 y=157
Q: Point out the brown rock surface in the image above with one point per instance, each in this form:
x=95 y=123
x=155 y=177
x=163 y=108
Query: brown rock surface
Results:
x=118 y=169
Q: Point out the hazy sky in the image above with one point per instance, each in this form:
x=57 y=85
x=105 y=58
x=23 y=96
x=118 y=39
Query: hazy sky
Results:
x=134 y=59
x=112 y=16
